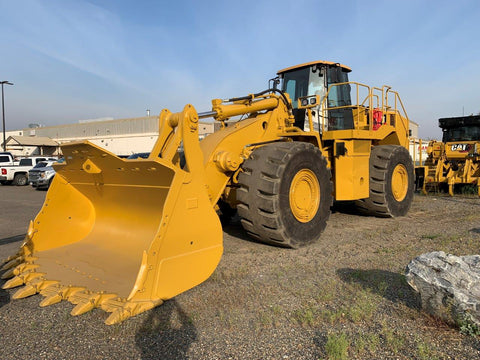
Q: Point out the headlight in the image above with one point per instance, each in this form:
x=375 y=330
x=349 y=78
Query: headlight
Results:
x=44 y=174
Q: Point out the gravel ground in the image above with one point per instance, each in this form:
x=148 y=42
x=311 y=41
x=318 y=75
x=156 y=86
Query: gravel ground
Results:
x=343 y=297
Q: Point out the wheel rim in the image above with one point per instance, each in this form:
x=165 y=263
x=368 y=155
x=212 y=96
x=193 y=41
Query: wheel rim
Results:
x=304 y=195
x=399 y=182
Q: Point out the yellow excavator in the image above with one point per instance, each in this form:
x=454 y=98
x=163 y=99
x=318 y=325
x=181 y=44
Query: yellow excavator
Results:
x=125 y=235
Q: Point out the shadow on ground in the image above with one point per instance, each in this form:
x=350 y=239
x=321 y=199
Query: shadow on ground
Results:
x=233 y=227
x=167 y=333
x=346 y=207
x=4 y=296
x=236 y=230
x=391 y=286
x=475 y=230
x=320 y=340
x=11 y=239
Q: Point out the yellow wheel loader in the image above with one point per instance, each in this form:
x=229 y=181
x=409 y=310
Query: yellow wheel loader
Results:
x=125 y=235
x=456 y=159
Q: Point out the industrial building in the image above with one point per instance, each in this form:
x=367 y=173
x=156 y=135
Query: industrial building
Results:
x=122 y=137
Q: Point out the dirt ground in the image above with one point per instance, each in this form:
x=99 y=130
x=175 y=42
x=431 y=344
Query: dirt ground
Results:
x=343 y=297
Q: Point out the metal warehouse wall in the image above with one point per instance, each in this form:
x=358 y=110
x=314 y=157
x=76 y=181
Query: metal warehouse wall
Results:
x=414 y=128
x=91 y=129
x=121 y=136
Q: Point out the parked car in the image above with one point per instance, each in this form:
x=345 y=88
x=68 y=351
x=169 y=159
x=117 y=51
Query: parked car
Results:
x=41 y=176
x=18 y=174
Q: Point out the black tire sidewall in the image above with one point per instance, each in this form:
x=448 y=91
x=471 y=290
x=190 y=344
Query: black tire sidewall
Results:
x=400 y=208
x=20 y=180
x=305 y=233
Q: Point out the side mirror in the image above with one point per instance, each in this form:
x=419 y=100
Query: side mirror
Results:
x=275 y=82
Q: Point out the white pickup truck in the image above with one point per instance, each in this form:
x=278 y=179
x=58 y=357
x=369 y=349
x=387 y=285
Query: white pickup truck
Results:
x=7 y=159
x=18 y=174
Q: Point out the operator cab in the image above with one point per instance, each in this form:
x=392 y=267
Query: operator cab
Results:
x=316 y=78
x=463 y=128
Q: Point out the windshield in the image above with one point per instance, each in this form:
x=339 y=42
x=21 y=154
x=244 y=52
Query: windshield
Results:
x=303 y=82
x=338 y=95
x=25 y=162
x=461 y=133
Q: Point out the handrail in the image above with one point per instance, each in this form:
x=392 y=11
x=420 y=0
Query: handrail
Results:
x=397 y=98
x=372 y=98
x=324 y=102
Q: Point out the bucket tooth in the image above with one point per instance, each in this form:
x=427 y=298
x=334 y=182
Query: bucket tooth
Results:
x=50 y=300
x=10 y=258
x=113 y=304
x=56 y=293
x=117 y=316
x=51 y=290
x=12 y=263
x=79 y=297
x=20 y=255
x=86 y=301
x=82 y=308
x=20 y=269
x=121 y=311
x=27 y=290
x=43 y=284
x=33 y=287
x=31 y=275
x=22 y=278
x=26 y=267
x=14 y=282
x=8 y=274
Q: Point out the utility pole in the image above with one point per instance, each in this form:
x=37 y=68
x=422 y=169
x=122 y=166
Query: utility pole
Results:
x=3 y=114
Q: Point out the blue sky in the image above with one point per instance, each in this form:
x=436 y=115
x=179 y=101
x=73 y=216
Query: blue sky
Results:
x=72 y=60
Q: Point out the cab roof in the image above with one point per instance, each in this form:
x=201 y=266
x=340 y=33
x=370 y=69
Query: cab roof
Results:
x=321 y=62
x=459 y=121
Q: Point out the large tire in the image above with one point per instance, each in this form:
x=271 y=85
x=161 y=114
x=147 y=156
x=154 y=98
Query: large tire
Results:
x=20 y=180
x=392 y=182
x=285 y=194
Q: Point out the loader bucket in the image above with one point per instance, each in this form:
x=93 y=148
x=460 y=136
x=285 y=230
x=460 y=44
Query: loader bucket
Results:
x=121 y=235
